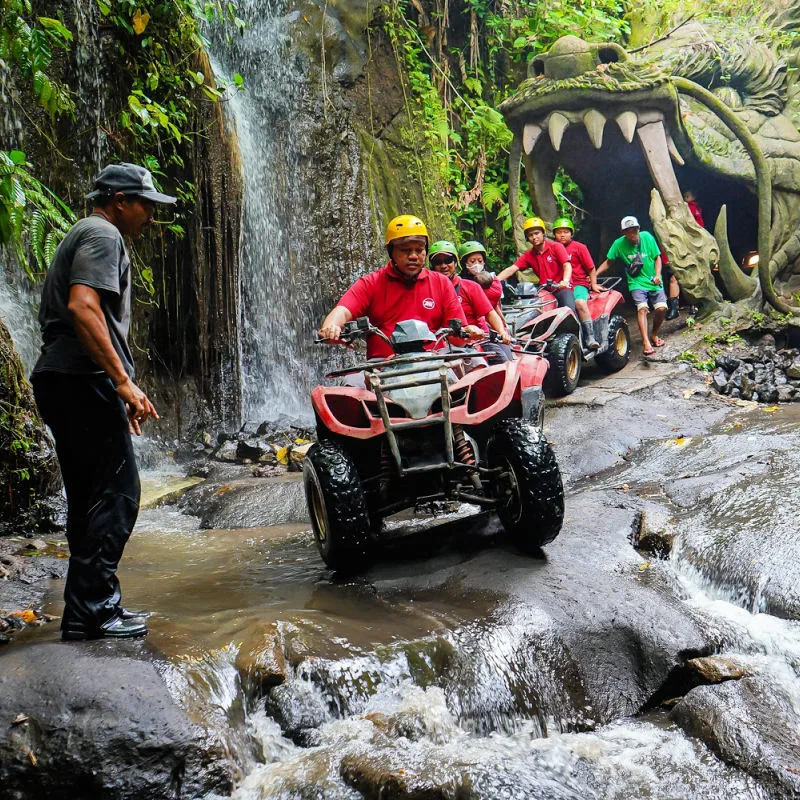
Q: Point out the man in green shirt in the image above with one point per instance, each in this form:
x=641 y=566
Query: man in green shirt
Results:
x=639 y=253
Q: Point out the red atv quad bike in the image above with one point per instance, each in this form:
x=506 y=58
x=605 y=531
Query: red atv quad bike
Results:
x=426 y=430
x=536 y=320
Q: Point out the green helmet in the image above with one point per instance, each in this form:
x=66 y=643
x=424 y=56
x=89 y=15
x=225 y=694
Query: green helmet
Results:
x=468 y=248
x=564 y=222
x=442 y=246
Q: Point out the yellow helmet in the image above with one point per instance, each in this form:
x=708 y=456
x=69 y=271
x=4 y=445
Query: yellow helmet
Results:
x=533 y=222
x=405 y=225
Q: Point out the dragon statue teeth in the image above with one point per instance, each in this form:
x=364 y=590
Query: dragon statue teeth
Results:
x=710 y=108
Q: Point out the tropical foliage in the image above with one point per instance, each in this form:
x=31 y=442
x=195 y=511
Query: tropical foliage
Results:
x=463 y=58
x=163 y=50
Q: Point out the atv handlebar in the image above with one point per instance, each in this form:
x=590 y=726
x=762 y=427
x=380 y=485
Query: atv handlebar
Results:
x=361 y=327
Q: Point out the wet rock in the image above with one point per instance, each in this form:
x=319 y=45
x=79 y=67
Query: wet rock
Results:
x=228 y=451
x=261 y=660
x=377 y=779
x=793 y=370
x=106 y=727
x=719 y=379
x=656 y=540
x=749 y=724
x=299 y=452
x=297 y=706
x=716 y=669
x=254 y=449
x=36 y=544
x=746 y=387
x=767 y=393
x=786 y=393
x=727 y=363
x=247 y=502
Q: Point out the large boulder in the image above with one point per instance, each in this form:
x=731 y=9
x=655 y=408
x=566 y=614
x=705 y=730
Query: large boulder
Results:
x=751 y=724
x=95 y=720
x=247 y=502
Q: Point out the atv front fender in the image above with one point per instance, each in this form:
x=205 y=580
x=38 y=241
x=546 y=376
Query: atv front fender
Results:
x=551 y=323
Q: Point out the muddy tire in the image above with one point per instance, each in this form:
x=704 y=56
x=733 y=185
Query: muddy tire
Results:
x=337 y=507
x=530 y=491
x=619 y=345
x=565 y=357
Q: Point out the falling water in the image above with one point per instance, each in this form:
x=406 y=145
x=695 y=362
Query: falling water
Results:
x=278 y=310
x=91 y=85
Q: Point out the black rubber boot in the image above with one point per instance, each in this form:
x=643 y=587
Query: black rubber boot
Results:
x=589 y=342
x=672 y=308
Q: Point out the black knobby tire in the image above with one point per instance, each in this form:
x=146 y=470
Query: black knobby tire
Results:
x=530 y=491
x=565 y=356
x=337 y=506
x=616 y=356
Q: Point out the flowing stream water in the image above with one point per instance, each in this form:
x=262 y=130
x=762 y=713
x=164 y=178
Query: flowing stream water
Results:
x=446 y=685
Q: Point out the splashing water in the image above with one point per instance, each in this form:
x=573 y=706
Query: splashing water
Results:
x=278 y=306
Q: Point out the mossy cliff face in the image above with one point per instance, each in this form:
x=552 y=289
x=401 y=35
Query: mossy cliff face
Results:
x=369 y=156
x=28 y=469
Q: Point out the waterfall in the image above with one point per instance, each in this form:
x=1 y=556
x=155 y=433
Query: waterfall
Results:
x=279 y=307
x=90 y=83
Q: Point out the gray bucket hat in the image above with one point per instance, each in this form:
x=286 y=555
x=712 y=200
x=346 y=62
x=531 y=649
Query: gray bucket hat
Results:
x=128 y=179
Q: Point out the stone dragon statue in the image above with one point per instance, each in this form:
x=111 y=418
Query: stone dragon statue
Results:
x=711 y=108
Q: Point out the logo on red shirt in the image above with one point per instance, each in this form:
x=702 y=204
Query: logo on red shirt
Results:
x=428 y=303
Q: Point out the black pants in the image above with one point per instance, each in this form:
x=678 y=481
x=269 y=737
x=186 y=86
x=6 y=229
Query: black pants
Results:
x=496 y=352
x=98 y=466
x=565 y=297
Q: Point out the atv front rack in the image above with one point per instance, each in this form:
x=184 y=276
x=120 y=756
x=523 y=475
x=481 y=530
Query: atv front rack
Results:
x=379 y=387
x=416 y=365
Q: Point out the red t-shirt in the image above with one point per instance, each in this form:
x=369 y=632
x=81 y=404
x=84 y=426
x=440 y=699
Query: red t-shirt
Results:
x=582 y=264
x=387 y=299
x=548 y=265
x=474 y=302
x=494 y=292
x=696 y=213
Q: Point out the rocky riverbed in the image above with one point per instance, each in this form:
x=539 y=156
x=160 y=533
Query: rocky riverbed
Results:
x=651 y=651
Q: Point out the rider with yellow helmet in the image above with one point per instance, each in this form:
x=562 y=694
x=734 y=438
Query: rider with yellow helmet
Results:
x=584 y=277
x=402 y=289
x=545 y=261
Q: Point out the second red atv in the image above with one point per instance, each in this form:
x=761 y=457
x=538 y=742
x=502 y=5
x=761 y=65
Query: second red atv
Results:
x=538 y=322
x=426 y=430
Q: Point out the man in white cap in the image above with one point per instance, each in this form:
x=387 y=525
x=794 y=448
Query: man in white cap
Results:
x=83 y=384
x=638 y=252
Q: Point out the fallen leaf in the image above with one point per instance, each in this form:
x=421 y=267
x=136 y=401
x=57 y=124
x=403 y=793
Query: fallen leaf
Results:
x=687 y=393
x=32 y=758
x=140 y=20
x=224 y=489
x=282 y=454
x=771 y=409
x=27 y=616
x=19 y=719
x=679 y=441
x=645 y=565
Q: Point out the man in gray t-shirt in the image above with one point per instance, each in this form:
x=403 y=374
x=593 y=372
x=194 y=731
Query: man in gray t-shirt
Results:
x=83 y=384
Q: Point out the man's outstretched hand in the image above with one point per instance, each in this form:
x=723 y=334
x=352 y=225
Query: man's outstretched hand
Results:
x=137 y=405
